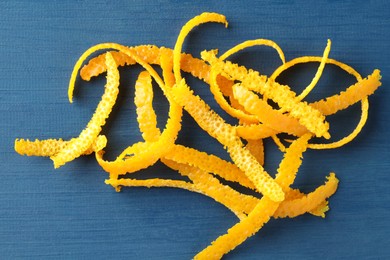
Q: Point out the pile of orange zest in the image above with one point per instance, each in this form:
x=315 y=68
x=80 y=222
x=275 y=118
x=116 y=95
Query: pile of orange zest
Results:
x=241 y=92
x=180 y=157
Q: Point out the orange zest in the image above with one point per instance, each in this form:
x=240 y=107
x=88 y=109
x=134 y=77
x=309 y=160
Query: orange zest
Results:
x=262 y=108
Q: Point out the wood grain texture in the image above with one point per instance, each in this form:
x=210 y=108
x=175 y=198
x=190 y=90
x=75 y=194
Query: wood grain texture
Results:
x=70 y=213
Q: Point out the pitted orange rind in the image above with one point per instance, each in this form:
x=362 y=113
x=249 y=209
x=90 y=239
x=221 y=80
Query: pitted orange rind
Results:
x=242 y=93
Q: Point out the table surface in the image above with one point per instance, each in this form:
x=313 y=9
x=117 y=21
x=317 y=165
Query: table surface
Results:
x=69 y=213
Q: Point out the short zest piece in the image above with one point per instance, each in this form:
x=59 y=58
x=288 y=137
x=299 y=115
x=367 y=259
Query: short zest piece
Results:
x=245 y=95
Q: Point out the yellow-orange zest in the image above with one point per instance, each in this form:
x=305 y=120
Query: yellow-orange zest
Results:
x=79 y=145
x=261 y=107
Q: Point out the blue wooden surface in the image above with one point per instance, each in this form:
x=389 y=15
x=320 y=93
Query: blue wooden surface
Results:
x=70 y=213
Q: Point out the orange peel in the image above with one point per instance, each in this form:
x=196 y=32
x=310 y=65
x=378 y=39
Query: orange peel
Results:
x=241 y=92
x=79 y=145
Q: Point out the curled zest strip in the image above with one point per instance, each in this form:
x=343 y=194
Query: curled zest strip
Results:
x=353 y=94
x=318 y=74
x=150 y=54
x=311 y=118
x=79 y=145
x=197 y=20
x=146 y=117
x=216 y=88
x=153 y=150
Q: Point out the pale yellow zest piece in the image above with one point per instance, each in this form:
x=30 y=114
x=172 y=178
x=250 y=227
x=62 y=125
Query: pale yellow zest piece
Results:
x=79 y=145
x=241 y=231
x=197 y=20
x=311 y=118
x=46 y=147
x=291 y=162
x=50 y=147
x=215 y=126
x=143 y=98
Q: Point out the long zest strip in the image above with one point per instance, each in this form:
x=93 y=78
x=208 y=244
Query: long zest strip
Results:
x=51 y=147
x=197 y=20
x=262 y=212
x=225 y=134
x=79 y=145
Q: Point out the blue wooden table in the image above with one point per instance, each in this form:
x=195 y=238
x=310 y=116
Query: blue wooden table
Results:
x=69 y=213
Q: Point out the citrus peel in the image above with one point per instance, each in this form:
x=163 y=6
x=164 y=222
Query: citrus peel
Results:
x=244 y=94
